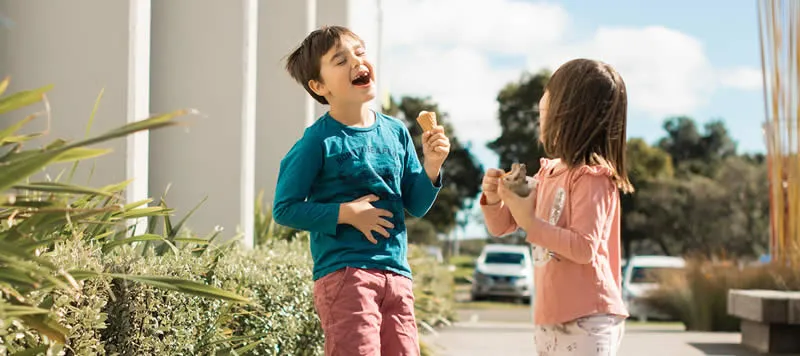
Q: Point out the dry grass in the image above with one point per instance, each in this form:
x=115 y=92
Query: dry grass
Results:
x=698 y=296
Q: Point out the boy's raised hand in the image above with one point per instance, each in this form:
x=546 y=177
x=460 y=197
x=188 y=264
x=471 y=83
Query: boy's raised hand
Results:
x=362 y=215
x=435 y=148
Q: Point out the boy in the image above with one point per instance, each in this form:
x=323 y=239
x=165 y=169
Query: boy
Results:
x=348 y=181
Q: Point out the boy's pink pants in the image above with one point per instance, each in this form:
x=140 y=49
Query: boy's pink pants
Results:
x=366 y=312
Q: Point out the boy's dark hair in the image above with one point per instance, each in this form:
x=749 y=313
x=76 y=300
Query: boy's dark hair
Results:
x=587 y=117
x=303 y=63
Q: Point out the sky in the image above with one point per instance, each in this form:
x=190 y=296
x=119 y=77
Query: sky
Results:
x=678 y=57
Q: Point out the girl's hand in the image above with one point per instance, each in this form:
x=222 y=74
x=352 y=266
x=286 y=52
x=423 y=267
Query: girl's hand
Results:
x=521 y=208
x=490 y=181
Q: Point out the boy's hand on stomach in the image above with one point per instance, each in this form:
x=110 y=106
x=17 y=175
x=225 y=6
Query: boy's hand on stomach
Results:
x=362 y=215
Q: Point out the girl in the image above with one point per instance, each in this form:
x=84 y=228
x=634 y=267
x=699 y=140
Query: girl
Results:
x=574 y=211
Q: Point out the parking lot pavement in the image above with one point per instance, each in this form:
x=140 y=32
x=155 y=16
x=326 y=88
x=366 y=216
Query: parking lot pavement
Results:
x=477 y=336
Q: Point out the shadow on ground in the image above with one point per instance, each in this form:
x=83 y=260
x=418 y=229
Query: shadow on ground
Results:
x=728 y=349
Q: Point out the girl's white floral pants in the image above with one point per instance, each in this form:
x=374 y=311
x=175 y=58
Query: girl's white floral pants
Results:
x=594 y=335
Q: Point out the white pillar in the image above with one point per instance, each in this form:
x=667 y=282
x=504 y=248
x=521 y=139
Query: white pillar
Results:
x=285 y=109
x=203 y=57
x=249 y=100
x=82 y=48
x=138 y=144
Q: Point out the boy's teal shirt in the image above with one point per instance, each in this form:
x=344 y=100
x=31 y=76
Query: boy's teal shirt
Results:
x=332 y=164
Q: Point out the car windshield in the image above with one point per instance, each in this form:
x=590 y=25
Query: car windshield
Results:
x=509 y=258
x=649 y=274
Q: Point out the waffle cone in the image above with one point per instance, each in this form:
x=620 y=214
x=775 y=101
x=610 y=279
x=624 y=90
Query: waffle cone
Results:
x=427 y=120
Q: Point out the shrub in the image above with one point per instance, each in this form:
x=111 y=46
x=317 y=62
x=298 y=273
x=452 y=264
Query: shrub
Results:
x=145 y=320
x=80 y=312
x=433 y=289
x=140 y=319
x=698 y=296
x=465 y=268
x=278 y=277
x=48 y=290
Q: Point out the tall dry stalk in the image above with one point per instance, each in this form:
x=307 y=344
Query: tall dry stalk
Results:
x=780 y=40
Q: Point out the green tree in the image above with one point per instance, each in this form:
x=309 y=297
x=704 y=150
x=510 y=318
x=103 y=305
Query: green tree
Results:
x=694 y=152
x=645 y=165
x=461 y=174
x=421 y=232
x=717 y=204
x=645 y=162
x=745 y=180
x=518 y=114
x=708 y=216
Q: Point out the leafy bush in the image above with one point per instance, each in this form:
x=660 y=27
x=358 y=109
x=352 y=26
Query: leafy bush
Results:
x=142 y=319
x=81 y=312
x=147 y=320
x=433 y=289
x=44 y=283
x=277 y=276
x=698 y=296
x=465 y=268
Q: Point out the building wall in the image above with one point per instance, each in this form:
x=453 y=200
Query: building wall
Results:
x=46 y=43
x=198 y=61
x=224 y=59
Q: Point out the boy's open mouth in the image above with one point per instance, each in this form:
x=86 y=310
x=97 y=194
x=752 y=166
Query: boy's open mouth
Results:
x=362 y=79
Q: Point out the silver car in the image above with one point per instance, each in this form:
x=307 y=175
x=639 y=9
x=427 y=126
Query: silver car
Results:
x=638 y=280
x=503 y=271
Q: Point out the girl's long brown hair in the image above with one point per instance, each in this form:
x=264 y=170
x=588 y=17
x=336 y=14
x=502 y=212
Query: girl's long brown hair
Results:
x=587 y=117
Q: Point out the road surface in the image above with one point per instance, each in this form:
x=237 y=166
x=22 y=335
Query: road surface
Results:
x=508 y=332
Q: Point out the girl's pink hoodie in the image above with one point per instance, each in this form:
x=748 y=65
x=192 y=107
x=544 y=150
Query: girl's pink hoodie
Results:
x=577 y=217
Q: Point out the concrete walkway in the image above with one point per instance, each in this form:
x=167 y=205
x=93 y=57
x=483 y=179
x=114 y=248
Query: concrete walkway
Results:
x=476 y=335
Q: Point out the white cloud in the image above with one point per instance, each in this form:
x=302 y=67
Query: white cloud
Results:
x=500 y=26
x=460 y=80
x=434 y=49
x=666 y=72
x=741 y=78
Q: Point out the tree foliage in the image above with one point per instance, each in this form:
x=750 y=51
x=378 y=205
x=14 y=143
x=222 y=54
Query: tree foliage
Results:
x=461 y=174
x=518 y=114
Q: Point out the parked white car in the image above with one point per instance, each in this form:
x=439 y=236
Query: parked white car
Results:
x=503 y=271
x=637 y=281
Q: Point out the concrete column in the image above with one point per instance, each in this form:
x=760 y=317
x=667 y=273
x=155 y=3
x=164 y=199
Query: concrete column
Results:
x=203 y=57
x=83 y=48
x=284 y=107
x=138 y=144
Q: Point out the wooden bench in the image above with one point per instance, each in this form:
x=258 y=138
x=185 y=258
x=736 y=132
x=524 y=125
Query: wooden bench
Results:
x=770 y=320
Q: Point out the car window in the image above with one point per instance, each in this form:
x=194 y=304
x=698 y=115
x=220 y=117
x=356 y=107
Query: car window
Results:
x=510 y=258
x=649 y=274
